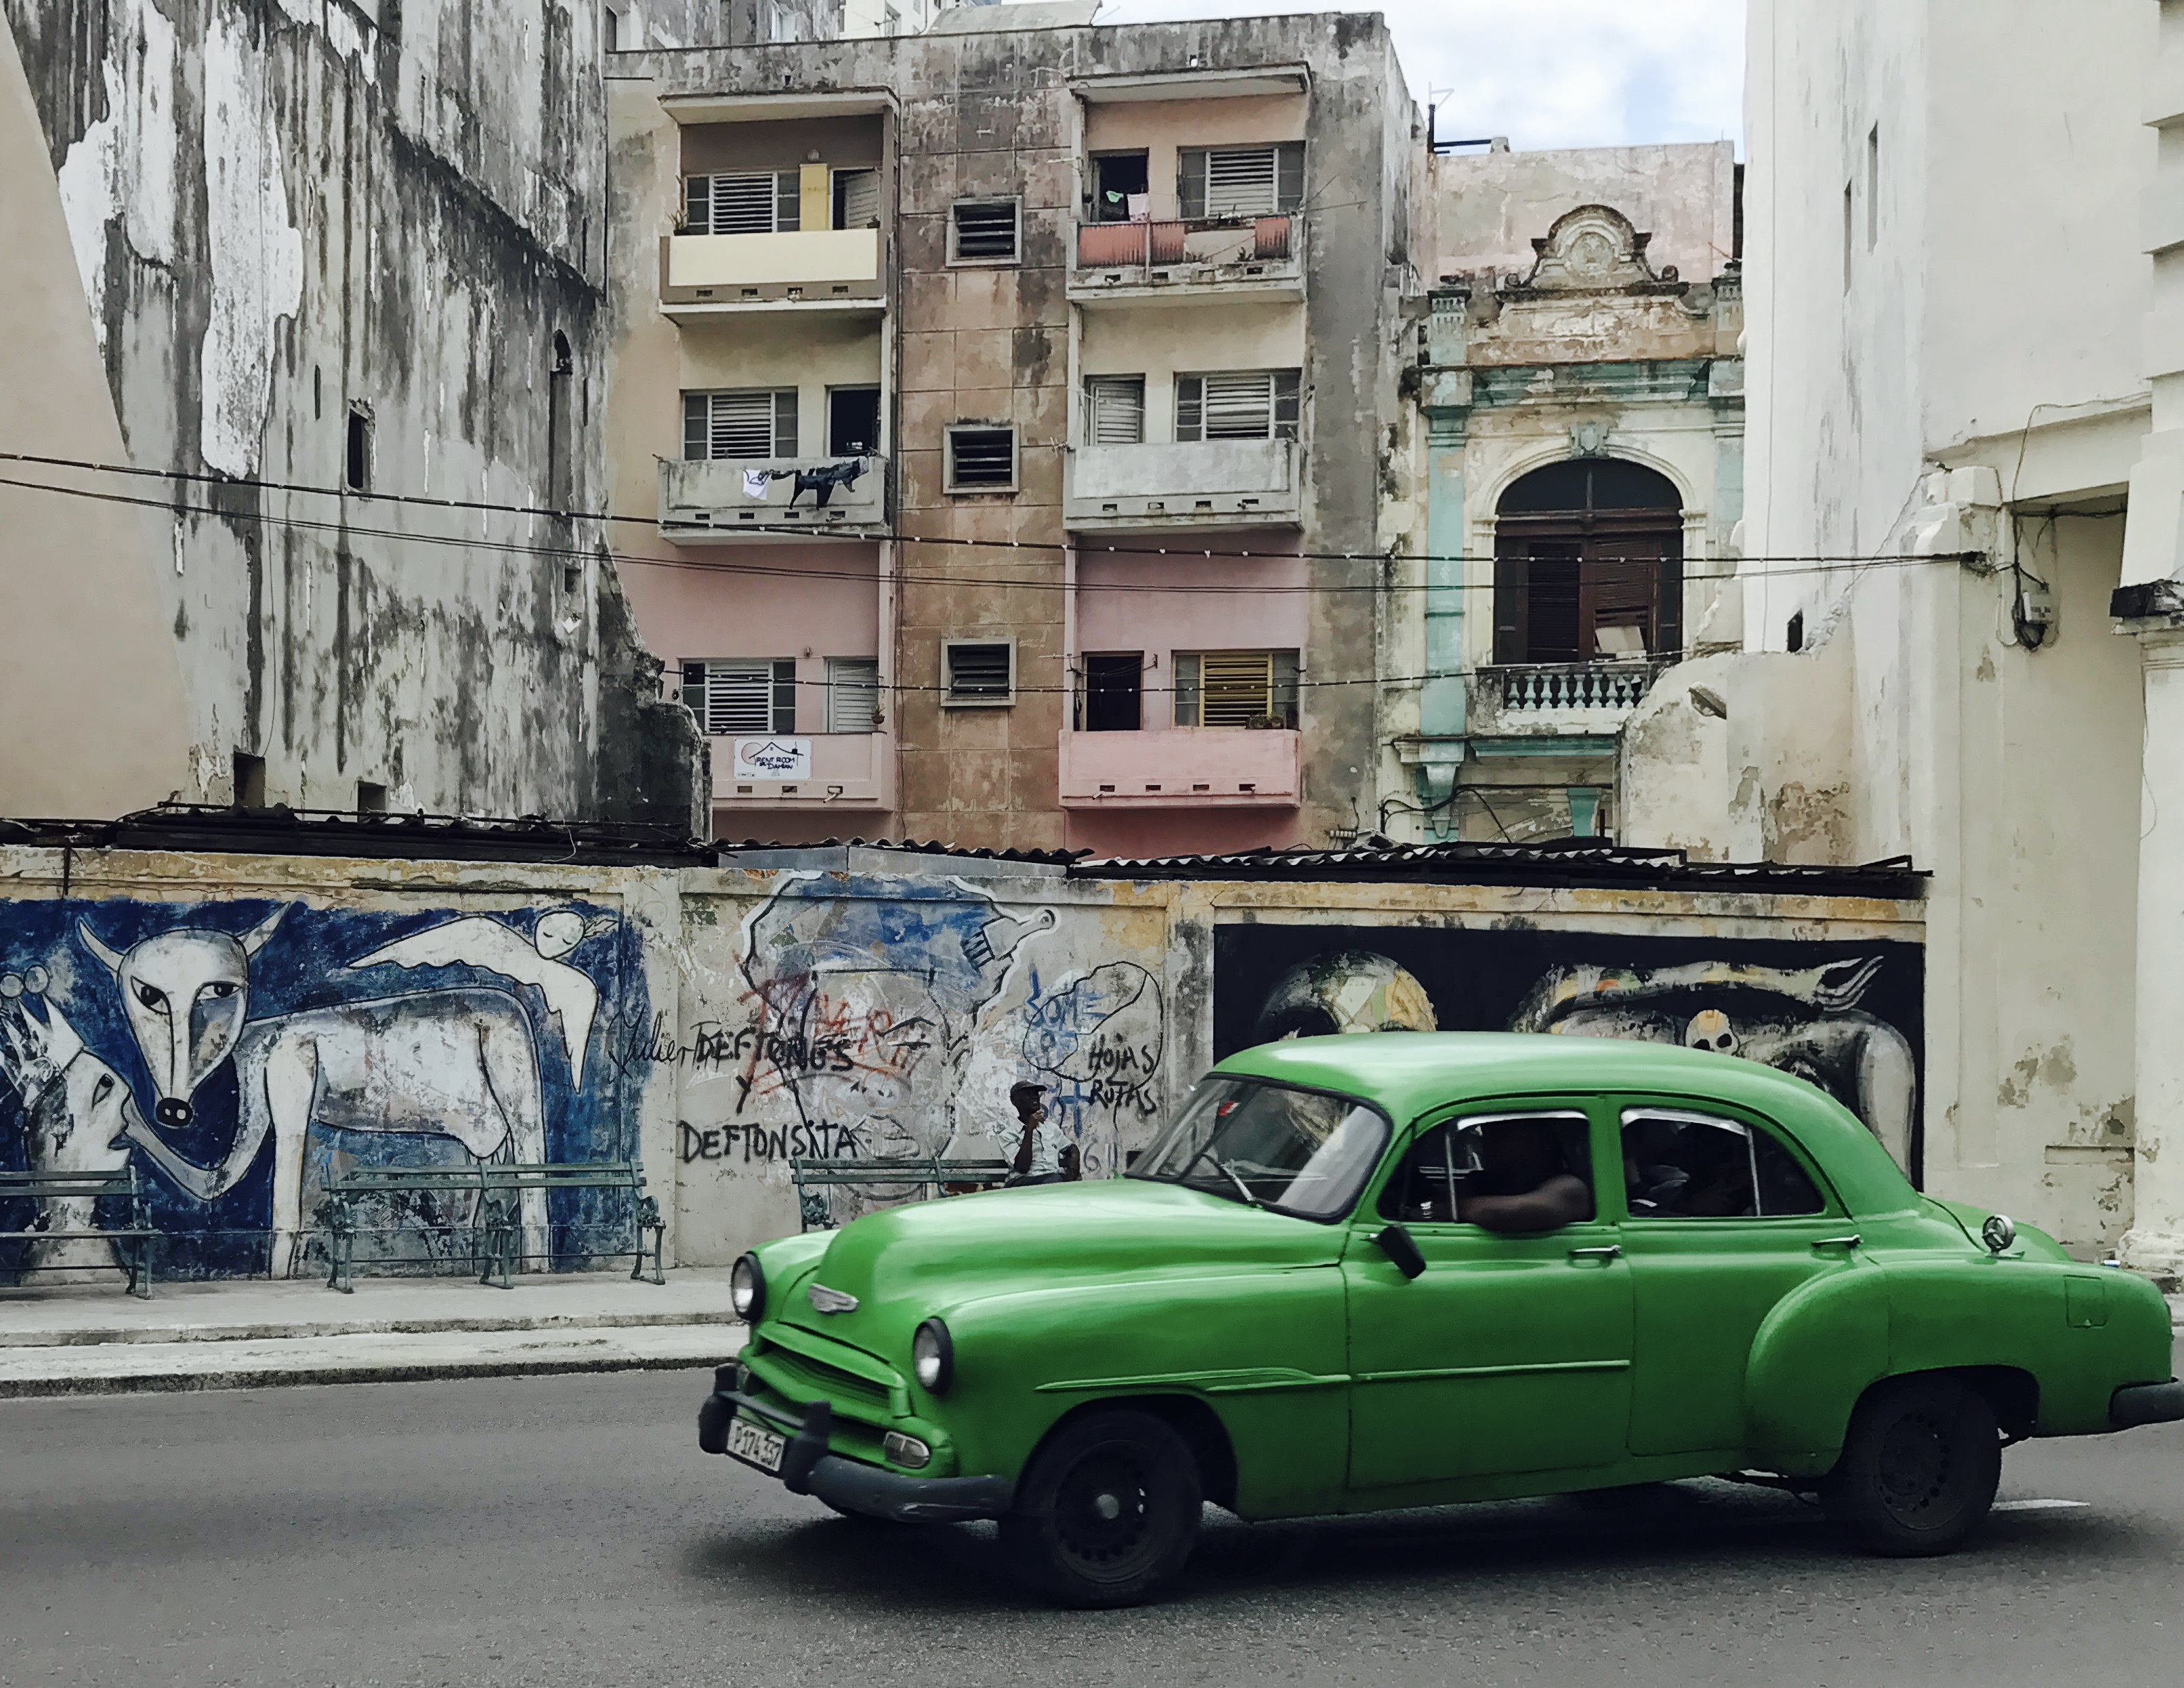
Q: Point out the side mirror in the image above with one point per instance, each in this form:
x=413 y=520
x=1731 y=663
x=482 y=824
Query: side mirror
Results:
x=1400 y=1247
x=1998 y=1233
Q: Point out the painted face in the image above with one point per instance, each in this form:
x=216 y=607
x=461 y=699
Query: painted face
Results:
x=1710 y=1030
x=77 y=1124
x=186 y=994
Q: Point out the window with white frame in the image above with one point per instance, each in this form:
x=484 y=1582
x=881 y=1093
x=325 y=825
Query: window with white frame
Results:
x=1237 y=405
x=984 y=230
x=742 y=203
x=1251 y=688
x=977 y=672
x=1115 y=409
x=1214 y=182
x=982 y=458
x=853 y=693
x=752 y=424
x=741 y=695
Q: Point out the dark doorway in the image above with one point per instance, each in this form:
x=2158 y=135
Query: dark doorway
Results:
x=1114 y=691
x=1589 y=564
x=853 y=421
x=1116 y=177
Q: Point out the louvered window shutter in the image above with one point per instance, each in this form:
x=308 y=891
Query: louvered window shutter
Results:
x=853 y=692
x=1238 y=686
x=1288 y=176
x=744 y=205
x=857 y=198
x=1239 y=181
x=739 y=697
x=1190 y=183
x=1115 y=409
x=743 y=425
x=1239 y=404
x=1190 y=407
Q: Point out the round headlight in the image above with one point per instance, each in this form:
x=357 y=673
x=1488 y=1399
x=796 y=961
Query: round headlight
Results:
x=933 y=1357
x=747 y=1288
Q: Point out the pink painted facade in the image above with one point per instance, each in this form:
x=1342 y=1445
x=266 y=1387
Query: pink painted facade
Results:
x=1204 y=611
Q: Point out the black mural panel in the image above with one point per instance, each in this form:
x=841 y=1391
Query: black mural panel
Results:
x=1844 y=1015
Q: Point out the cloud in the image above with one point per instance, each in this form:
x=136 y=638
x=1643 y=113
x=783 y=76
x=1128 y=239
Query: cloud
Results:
x=1547 y=73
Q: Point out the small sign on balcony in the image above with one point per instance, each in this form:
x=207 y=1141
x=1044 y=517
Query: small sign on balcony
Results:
x=773 y=759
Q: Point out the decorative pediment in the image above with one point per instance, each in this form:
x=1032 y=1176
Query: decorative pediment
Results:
x=1591 y=250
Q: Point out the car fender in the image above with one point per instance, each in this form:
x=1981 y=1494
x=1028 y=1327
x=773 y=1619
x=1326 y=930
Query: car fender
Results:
x=1823 y=1347
x=1265 y=1351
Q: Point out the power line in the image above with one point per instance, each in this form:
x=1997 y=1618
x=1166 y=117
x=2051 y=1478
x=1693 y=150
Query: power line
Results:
x=1795 y=566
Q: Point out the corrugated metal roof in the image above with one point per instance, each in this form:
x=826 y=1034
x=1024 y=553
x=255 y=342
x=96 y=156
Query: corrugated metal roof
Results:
x=854 y=854
x=1578 y=862
x=280 y=830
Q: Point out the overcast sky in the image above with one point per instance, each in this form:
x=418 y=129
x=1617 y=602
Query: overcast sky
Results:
x=1547 y=73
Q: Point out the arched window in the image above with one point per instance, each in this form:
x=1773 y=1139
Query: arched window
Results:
x=1588 y=565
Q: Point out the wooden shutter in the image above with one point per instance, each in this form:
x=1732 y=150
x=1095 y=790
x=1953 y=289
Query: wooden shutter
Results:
x=1237 y=687
x=1512 y=631
x=856 y=198
x=1115 y=409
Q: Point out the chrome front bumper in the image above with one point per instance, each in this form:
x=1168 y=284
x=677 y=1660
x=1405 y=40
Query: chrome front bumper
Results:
x=808 y=1469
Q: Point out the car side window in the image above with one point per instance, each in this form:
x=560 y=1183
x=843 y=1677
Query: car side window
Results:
x=1690 y=1165
x=1488 y=1155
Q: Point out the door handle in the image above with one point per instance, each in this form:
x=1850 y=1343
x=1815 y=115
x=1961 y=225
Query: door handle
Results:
x=1607 y=1251
x=1849 y=1242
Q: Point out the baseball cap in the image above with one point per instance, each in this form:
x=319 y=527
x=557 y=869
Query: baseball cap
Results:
x=1025 y=1092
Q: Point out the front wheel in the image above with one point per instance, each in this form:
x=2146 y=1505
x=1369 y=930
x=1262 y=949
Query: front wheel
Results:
x=1919 y=1467
x=1106 y=1511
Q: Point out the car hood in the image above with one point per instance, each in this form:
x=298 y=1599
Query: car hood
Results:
x=907 y=1263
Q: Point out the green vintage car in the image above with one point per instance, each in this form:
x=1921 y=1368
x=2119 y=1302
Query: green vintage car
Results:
x=1402 y=1270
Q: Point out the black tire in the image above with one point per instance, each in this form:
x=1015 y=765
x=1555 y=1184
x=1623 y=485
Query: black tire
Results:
x=1106 y=1511
x=1919 y=1467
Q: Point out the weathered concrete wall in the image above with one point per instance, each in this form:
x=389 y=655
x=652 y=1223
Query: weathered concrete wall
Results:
x=285 y=215
x=718 y=1023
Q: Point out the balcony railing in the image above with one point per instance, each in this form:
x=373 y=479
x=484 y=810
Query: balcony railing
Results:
x=713 y=497
x=1256 y=254
x=814 y=267
x=1532 y=690
x=1227 y=484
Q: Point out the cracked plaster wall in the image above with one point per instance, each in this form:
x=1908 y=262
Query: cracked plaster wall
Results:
x=283 y=211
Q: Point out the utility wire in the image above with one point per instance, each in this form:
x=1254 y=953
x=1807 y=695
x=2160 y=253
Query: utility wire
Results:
x=632 y=560
x=785 y=531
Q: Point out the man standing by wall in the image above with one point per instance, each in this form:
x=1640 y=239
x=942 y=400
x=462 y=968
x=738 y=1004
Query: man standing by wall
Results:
x=1038 y=1156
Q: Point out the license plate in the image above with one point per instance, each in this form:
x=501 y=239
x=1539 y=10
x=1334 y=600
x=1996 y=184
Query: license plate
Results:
x=757 y=1445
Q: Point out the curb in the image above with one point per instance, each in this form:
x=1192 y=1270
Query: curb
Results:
x=423 y=1371
x=320 y=1330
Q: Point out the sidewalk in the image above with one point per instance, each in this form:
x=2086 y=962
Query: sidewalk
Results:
x=248 y=1335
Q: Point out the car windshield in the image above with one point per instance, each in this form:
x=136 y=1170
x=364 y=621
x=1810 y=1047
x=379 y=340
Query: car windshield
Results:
x=1297 y=1151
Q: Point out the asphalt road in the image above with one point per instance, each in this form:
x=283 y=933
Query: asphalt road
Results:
x=567 y=1531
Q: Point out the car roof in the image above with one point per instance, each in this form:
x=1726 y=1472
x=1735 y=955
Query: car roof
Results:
x=1410 y=1073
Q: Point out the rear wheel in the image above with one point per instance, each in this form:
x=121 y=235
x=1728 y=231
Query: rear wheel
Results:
x=1106 y=1511
x=1919 y=1467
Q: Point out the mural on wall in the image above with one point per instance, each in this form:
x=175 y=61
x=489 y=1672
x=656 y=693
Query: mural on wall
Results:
x=246 y=1051
x=1844 y=1016
x=886 y=1016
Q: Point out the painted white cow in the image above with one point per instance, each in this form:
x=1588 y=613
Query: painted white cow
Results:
x=458 y=1063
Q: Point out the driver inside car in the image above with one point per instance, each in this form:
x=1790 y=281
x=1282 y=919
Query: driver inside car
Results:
x=1522 y=1183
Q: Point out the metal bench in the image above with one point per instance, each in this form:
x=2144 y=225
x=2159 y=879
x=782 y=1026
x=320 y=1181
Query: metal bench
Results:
x=496 y=1224
x=929 y=1174
x=132 y=1241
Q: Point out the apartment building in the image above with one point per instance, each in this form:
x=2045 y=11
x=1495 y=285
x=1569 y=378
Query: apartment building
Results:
x=1006 y=406
x=1579 y=446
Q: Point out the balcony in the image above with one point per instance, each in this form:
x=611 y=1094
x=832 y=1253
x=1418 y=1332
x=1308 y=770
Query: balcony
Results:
x=1210 y=262
x=712 y=501
x=1208 y=485
x=804 y=269
x=808 y=771
x=1549 y=700
x=1180 y=767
